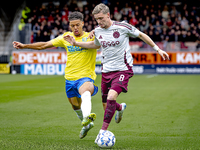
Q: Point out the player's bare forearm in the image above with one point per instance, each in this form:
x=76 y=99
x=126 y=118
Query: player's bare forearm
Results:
x=36 y=46
x=149 y=41
x=72 y=41
x=89 y=45
x=146 y=39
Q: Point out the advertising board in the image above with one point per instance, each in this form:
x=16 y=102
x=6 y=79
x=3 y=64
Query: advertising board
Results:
x=53 y=63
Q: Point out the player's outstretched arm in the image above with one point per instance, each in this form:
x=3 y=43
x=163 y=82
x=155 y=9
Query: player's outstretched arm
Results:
x=91 y=35
x=149 y=41
x=37 y=45
x=72 y=41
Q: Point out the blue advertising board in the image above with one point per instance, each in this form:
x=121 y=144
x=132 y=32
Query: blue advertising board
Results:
x=166 y=69
x=59 y=69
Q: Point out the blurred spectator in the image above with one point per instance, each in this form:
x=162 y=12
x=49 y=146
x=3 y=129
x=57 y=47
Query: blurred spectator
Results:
x=65 y=25
x=80 y=4
x=55 y=31
x=50 y=18
x=151 y=34
x=169 y=22
x=184 y=21
x=192 y=17
x=49 y=26
x=157 y=24
x=153 y=19
x=57 y=24
x=184 y=35
x=86 y=11
x=165 y=12
x=133 y=21
x=165 y=43
x=52 y=36
x=125 y=10
x=125 y=19
x=163 y=22
x=42 y=29
x=198 y=28
x=117 y=16
x=144 y=26
x=64 y=16
x=177 y=36
x=42 y=18
x=45 y=36
x=174 y=11
x=164 y=34
x=172 y=35
x=188 y=37
x=157 y=37
x=32 y=37
x=38 y=36
x=36 y=28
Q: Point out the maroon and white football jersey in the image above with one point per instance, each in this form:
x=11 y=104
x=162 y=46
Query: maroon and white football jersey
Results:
x=114 y=42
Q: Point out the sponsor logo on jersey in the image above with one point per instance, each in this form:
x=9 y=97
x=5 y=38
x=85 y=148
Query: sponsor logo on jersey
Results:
x=75 y=49
x=84 y=39
x=105 y=44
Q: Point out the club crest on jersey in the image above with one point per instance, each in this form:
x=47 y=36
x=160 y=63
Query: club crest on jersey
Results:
x=84 y=39
x=116 y=34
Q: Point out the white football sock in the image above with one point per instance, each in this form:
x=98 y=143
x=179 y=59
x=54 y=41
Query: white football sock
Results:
x=79 y=114
x=86 y=104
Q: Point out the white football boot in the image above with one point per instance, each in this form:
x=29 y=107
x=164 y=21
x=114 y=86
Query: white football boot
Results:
x=85 y=130
x=119 y=114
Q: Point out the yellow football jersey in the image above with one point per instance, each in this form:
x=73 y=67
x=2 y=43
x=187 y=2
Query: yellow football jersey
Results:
x=80 y=61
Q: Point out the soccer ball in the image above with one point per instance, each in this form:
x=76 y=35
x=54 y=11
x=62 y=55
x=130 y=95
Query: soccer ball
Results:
x=106 y=139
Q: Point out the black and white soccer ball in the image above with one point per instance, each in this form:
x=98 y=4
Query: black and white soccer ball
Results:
x=106 y=139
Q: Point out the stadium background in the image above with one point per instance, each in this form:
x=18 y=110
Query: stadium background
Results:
x=173 y=25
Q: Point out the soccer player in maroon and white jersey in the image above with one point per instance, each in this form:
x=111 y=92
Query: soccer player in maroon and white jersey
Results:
x=113 y=38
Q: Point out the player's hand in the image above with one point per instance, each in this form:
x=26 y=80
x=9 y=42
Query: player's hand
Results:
x=91 y=35
x=18 y=45
x=163 y=54
x=70 y=39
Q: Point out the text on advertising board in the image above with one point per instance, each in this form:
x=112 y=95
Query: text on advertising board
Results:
x=139 y=58
x=175 y=58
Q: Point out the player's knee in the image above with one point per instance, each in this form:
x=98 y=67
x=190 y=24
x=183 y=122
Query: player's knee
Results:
x=89 y=88
x=112 y=95
x=76 y=107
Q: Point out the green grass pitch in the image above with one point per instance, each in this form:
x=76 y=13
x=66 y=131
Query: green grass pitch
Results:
x=163 y=113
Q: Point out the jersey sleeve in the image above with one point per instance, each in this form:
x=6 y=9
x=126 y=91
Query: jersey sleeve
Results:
x=134 y=32
x=58 y=42
x=96 y=42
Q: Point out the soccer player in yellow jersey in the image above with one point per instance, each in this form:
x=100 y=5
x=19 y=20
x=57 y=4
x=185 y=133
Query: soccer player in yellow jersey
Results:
x=79 y=71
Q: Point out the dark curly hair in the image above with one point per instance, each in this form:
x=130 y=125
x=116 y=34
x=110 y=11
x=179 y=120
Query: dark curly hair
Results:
x=75 y=16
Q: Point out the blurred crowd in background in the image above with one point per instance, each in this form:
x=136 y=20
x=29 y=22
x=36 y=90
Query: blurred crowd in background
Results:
x=161 y=21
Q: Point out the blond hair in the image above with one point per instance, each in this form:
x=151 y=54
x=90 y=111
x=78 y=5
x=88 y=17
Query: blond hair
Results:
x=101 y=8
